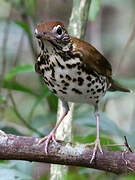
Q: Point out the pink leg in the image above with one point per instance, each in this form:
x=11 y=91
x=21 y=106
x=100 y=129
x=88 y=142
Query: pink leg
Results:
x=51 y=136
x=97 y=142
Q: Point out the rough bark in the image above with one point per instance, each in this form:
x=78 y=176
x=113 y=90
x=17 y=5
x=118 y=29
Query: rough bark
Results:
x=27 y=148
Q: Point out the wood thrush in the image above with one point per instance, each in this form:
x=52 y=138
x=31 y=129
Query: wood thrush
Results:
x=74 y=71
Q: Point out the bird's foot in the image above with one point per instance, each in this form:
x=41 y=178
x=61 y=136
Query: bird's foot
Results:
x=47 y=139
x=96 y=147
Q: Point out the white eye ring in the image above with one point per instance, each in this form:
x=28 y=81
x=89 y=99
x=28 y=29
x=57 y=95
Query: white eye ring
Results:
x=58 y=30
x=36 y=31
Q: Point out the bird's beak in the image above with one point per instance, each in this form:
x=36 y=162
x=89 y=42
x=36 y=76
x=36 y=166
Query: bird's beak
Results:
x=43 y=36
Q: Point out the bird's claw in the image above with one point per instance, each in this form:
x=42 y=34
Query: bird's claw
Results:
x=96 y=147
x=47 y=139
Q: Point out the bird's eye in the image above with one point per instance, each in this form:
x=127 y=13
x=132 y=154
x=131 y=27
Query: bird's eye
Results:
x=59 y=30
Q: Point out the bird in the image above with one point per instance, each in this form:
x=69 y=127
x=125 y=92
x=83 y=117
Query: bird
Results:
x=74 y=71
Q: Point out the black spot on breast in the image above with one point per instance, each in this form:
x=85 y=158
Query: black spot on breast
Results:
x=68 y=77
x=92 y=89
x=88 y=91
x=89 y=84
x=76 y=91
x=47 y=59
x=62 y=81
x=74 y=79
x=99 y=90
x=53 y=64
x=96 y=80
x=54 y=91
x=64 y=88
x=53 y=79
x=53 y=72
x=64 y=92
x=45 y=78
x=61 y=76
x=79 y=73
x=60 y=65
x=80 y=81
x=88 y=78
x=79 y=66
x=42 y=70
x=51 y=67
x=47 y=69
x=93 y=81
x=66 y=84
x=70 y=66
x=50 y=83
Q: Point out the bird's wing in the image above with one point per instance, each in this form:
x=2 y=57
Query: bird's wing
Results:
x=93 y=59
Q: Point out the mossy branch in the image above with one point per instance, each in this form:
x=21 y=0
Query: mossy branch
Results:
x=27 y=148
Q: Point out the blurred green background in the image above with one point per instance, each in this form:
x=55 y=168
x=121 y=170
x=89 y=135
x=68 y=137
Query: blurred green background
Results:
x=27 y=107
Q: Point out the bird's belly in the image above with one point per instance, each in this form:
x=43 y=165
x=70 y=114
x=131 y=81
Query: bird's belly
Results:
x=77 y=87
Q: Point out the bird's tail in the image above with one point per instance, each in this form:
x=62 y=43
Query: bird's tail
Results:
x=115 y=86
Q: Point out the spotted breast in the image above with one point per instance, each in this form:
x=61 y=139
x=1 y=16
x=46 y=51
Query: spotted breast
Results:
x=66 y=77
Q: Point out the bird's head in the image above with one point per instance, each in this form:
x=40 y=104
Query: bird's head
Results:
x=54 y=32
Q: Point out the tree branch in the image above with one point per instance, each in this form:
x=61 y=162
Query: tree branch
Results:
x=27 y=148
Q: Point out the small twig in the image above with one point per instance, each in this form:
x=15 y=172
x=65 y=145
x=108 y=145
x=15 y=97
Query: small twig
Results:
x=21 y=118
x=127 y=145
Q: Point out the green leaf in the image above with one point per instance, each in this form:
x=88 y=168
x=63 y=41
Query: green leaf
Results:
x=19 y=70
x=75 y=175
x=25 y=27
x=108 y=142
x=11 y=130
x=18 y=87
x=128 y=177
x=94 y=9
x=44 y=177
